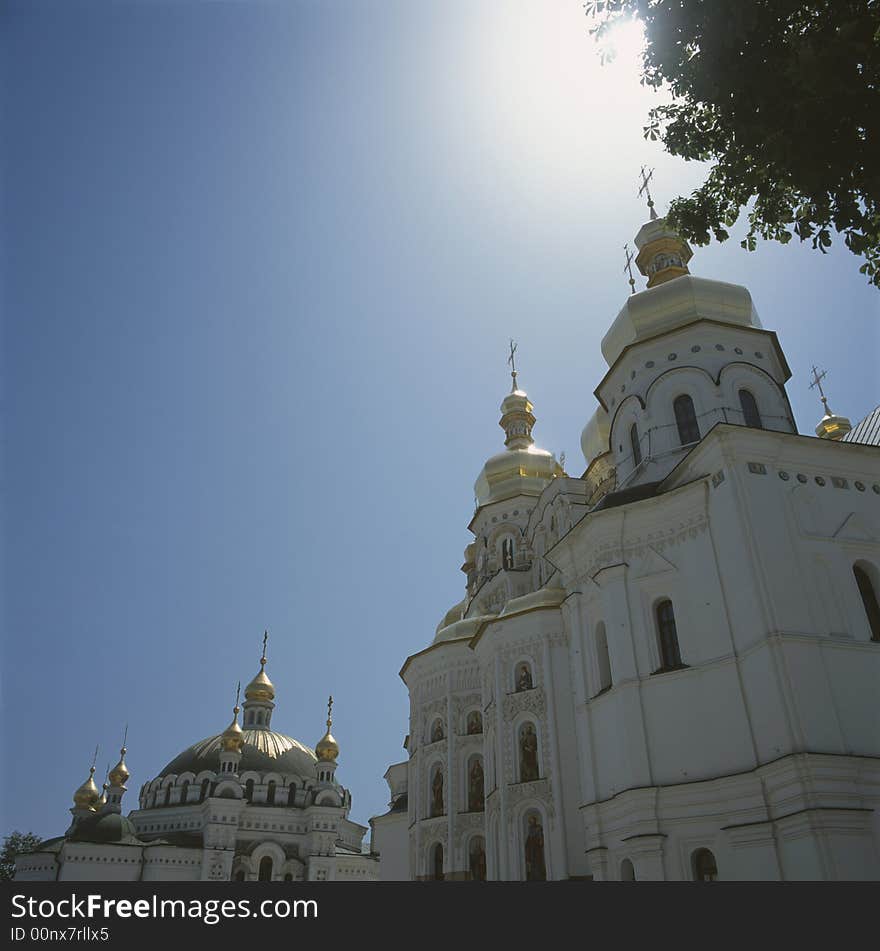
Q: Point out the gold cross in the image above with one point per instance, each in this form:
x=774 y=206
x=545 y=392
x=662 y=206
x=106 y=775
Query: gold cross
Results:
x=512 y=363
x=628 y=267
x=330 y=710
x=818 y=376
x=644 y=188
x=265 y=639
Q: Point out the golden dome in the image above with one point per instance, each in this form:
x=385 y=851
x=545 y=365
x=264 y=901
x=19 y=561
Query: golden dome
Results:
x=261 y=688
x=523 y=468
x=87 y=795
x=119 y=775
x=102 y=799
x=327 y=749
x=232 y=738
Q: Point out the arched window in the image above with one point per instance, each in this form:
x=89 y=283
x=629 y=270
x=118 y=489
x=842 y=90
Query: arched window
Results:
x=627 y=872
x=270 y=793
x=203 y=792
x=869 y=600
x=288 y=877
x=603 y=660
x=705 y=867
x=636 y=448
x=249 y=790
x=184 y=791
x=291 y=794
x=168 y=794
x=670 y=655
x=507 y=553
x=751 y=416
x=437 y=863
x=686 y=420
x=265 y=869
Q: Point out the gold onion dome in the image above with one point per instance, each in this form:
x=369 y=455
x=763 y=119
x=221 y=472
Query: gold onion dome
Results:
x=87 y=795
x=261 y=688
x=232 y=738
x=327 y=749
x=119 y=775
x=522 y=468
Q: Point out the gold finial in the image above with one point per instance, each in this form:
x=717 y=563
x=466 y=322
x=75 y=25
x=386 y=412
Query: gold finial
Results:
x=119 y=775
x=87 y=795
x=232 y=738
x=818 y=377
x=644 y=188
x=512 y=363
x=630 y=257
x=327 y=749
x=831 y=426
x=261 y=688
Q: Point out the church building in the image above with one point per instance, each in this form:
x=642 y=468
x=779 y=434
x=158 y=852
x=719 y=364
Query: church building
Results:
x=667 y=668
x=247 y=804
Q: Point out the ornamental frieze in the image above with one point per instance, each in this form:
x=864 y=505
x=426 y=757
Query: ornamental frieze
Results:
x=435 y=828
x=537 y=789
x=532 y=700
x=466 y=824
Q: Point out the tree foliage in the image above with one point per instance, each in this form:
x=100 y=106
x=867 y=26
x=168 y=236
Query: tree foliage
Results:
x=782 y=97
x=14 y=844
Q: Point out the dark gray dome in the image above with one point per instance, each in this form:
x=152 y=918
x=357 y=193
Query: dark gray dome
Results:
x=110 y=827
x=264 y=751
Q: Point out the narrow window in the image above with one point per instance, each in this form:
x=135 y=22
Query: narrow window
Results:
x=602 y=658
x=869 y=600
x=167 y=795
x=751 y=416
x=670 y=656
x=705 y=867
x=686 y=420
x=204 y=790
x=239 y=875
x=266 y=869
x=627 y=872
x=249 y=790
x=184 y=791
x=270 y=793
x=291 y=794
x=507 y=553
x=636 y=448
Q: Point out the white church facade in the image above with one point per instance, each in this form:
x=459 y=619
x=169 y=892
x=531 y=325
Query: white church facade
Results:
x=667 y=668
x=248 y=804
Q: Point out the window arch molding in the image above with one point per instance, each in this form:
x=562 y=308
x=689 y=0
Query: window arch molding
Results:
x=667 y=634
x=867 y=582
x=769 y=394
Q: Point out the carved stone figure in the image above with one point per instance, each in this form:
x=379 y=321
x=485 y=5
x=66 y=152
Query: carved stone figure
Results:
x=437 y=794
x=476 y=790
x=528 y=754
x=536 y=867
x=474 y=722
x=524 y=678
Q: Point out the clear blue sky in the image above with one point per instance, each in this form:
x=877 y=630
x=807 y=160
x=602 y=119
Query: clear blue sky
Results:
x=260 y=265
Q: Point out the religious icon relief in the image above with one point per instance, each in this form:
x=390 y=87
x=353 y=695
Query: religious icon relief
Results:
x=523 y=677
x=437 y=732
x=477 y=859
x=528 y=753
x=476 y=787
x=437 y=793
x=535 y=862
x=474 y=723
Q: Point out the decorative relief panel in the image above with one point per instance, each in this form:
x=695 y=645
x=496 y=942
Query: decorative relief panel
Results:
x=466 y=824
x=538 y=789
x=436 y=829
x=532 y=700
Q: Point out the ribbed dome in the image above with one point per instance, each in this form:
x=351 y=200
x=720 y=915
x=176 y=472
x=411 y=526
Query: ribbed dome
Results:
x=262 y=751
